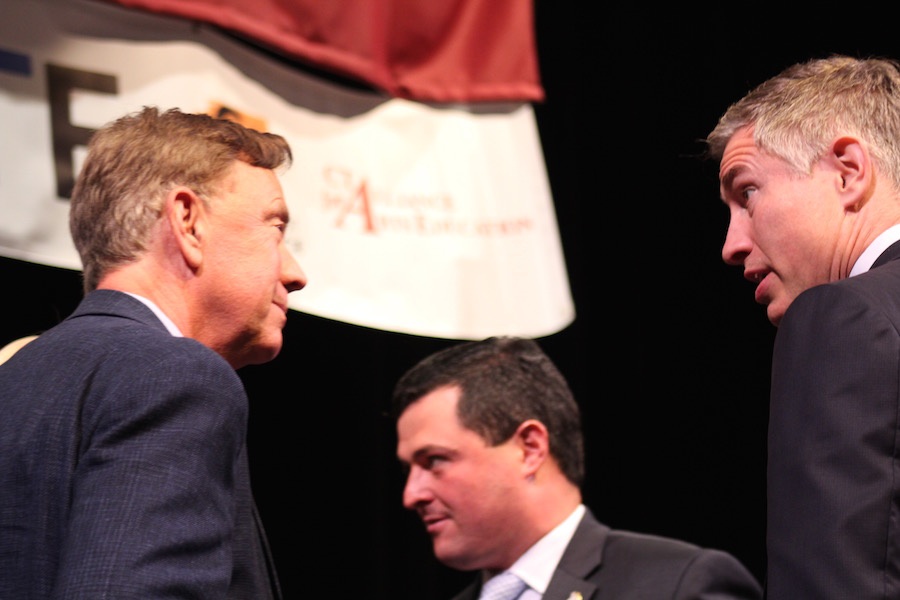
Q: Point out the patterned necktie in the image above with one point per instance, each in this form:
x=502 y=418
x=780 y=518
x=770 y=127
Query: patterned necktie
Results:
x=504 y=586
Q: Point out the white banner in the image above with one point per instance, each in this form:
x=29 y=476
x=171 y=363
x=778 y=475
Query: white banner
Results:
x=434 y=221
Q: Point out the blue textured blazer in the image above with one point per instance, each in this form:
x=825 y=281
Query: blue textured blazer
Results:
x=606 y=564
x=123 y=465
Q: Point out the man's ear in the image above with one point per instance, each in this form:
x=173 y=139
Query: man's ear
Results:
x=185 y=212
x=534 y=441
x=854 y=166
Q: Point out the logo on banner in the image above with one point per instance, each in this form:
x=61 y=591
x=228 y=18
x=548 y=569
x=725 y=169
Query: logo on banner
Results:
x=357 y=205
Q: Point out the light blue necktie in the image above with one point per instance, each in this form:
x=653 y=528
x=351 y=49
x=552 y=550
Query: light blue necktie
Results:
x=504 y=586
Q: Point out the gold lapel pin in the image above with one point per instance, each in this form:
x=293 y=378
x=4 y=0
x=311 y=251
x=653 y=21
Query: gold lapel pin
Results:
x=576 y=596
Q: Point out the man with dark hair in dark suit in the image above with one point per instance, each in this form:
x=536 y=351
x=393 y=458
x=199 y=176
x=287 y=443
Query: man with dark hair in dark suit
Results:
x=123 y=460
x=491 y=435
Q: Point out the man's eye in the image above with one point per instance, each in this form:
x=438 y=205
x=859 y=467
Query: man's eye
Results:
x=434 y=461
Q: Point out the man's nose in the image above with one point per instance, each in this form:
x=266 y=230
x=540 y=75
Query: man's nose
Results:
x=738 y=241
x=416 y=490
x=292 y=275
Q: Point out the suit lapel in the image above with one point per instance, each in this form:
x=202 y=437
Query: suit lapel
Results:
x=891 y=253
x=471 y=591
x=582 y=557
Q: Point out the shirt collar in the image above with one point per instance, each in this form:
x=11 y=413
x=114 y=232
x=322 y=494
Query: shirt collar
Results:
x=537 y=565
x=871 y=254
x=170 y=325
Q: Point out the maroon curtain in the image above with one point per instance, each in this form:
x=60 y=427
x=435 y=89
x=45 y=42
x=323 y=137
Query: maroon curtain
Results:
x=425 y=50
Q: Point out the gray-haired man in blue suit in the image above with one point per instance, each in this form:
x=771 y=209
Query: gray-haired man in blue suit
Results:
x=123 y=463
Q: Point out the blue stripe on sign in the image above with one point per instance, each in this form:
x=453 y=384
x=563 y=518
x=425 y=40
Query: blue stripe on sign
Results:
x=14 y=62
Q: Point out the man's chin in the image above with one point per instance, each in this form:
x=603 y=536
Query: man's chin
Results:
x=454 y=562
x=267 y=353
x=775 y=312
x=258 y=354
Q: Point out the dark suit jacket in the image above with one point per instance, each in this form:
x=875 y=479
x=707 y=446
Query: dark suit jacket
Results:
x=834 y=459
x=123 y=465
x=606 y=564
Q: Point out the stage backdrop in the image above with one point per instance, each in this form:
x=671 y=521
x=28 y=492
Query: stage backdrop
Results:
x=429 y=219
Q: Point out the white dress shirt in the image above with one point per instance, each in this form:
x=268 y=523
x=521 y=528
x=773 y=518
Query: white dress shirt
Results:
x=537 y=565
x=871 y=254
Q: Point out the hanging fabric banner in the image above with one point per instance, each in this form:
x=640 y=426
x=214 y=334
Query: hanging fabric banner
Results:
x=433 y=221
x=445 y=51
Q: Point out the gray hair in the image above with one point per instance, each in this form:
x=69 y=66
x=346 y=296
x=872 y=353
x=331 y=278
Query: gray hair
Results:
x=134 y=161
x=798 y=113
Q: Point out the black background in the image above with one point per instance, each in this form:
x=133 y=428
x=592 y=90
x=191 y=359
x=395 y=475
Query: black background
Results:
x=668 y=354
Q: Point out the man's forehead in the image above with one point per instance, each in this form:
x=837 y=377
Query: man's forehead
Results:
x=741 y=149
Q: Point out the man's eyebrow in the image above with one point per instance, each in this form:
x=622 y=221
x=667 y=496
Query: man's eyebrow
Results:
x=431 y=449
x=727 y=179
x=281 y=213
